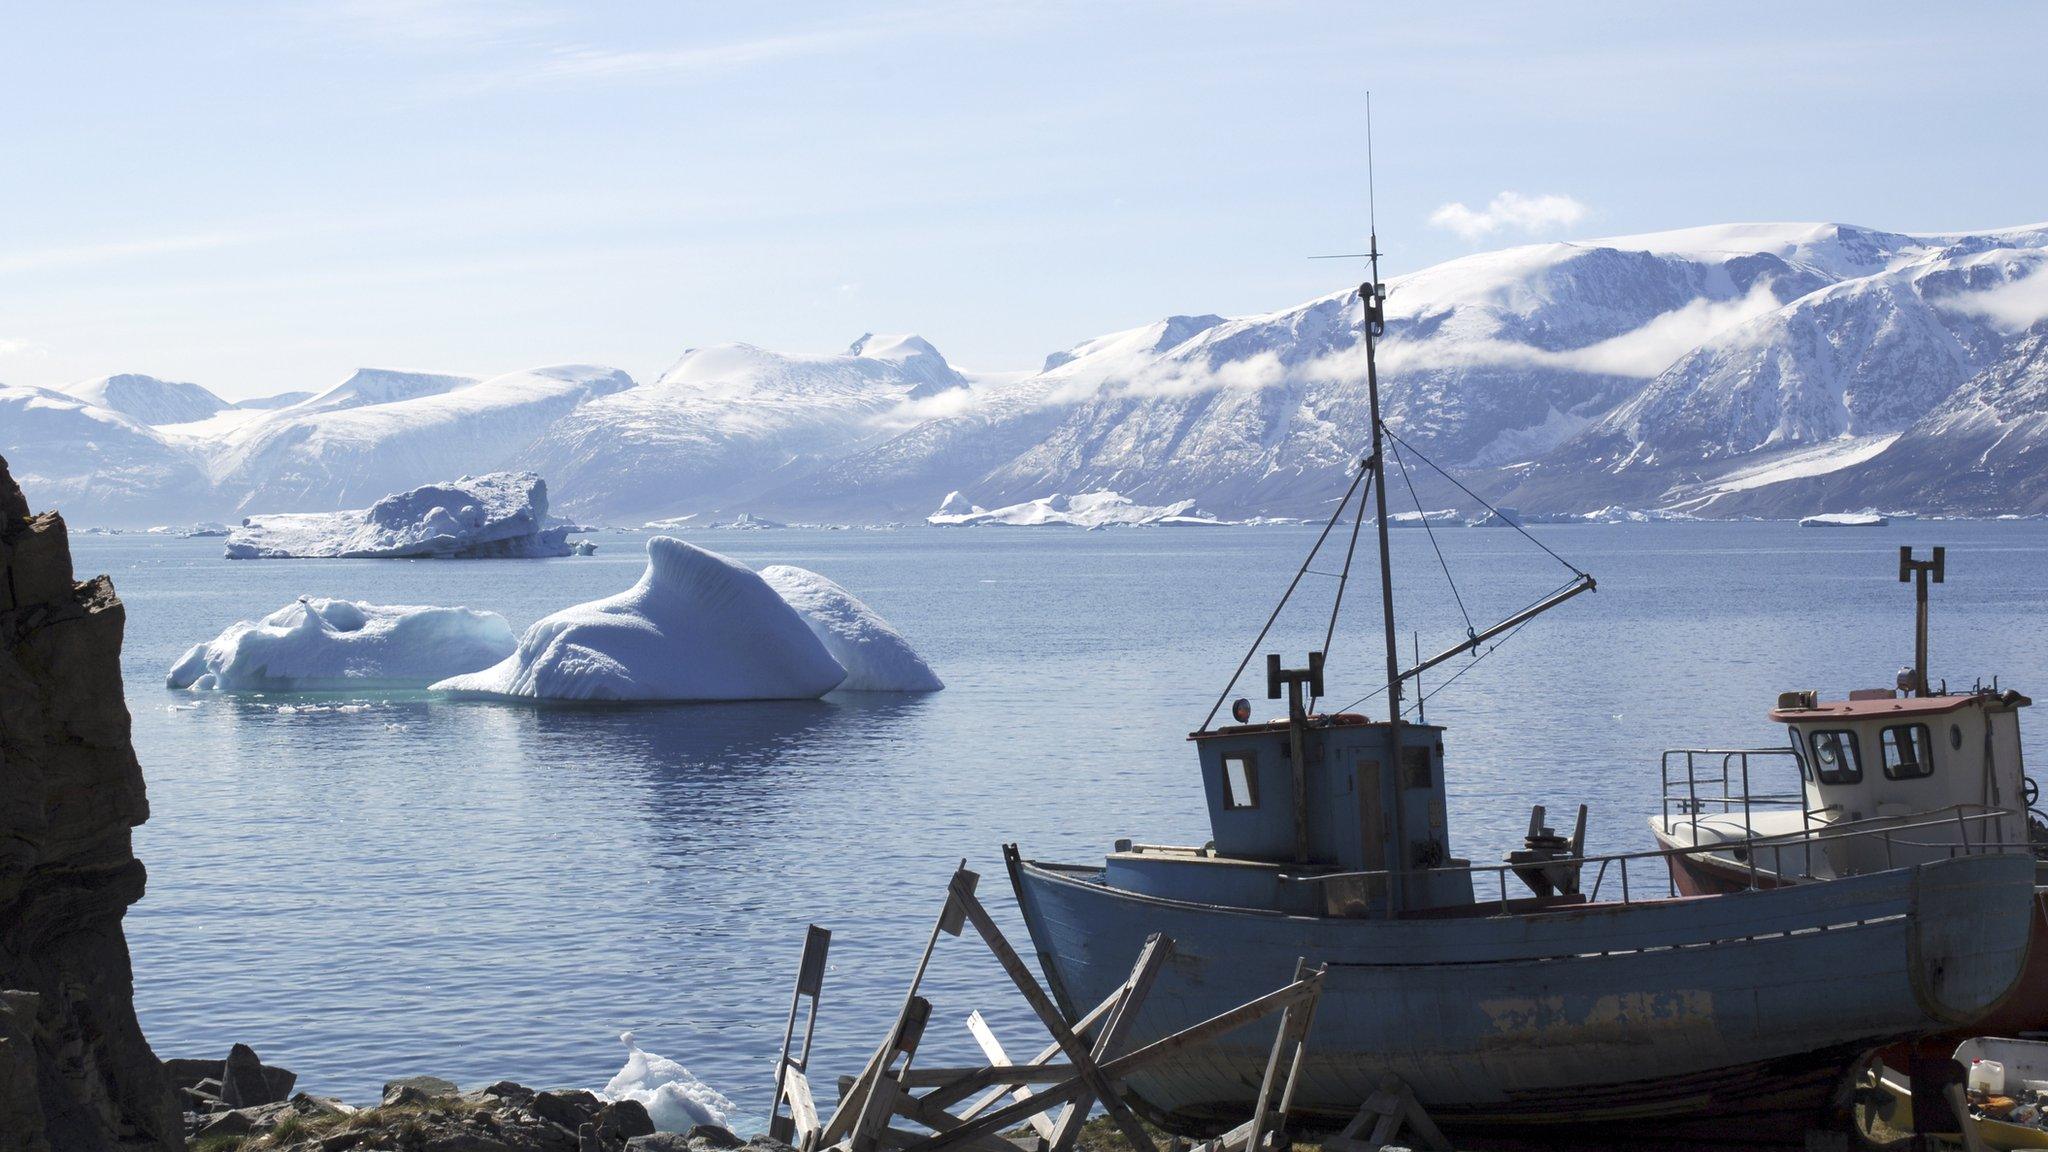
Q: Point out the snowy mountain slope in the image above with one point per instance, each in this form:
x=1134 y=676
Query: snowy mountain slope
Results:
x=271 y=403
x=1859 y=359
x=148 y=399
x=368 y=386
x=315 y=458
x=728 y=422
x=98 y=466
x=1722 y=370
x=1488 y=359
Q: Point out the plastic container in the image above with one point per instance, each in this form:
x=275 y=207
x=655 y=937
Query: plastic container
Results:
x=1987 y=1077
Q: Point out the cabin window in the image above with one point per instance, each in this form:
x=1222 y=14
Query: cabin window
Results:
x=1240 y=781
x=1835 y=757
x=1908 y=752
x=1415 y=767
x=1955 y=737
x=1798 y=754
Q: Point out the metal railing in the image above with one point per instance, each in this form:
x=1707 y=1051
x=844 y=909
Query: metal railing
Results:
x=1959 y=817
x=1724 y=767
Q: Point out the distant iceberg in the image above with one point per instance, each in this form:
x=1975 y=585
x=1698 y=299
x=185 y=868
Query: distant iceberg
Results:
x=876 y=656
x=1086 y=510
x=321 y=645
x=696 y=627
x=1845 y=520
x=496 y=516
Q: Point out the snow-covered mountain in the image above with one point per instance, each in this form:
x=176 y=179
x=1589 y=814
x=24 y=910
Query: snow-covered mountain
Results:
x=148 y=399
x=726 y=423
x=1781 y=369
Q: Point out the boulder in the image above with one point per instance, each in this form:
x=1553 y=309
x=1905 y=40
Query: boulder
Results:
x=71 y=794
x=414 y=1089
x=715 y=1136
x=572 y=1108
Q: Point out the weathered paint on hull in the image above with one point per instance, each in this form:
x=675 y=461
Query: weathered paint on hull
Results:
x=1740 y=1010
x=2024 y=1009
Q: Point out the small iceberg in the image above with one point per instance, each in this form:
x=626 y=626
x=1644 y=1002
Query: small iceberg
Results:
x=321 y=645
x=876 y=656
x=1087 y=510
x=696 y=627
x=585 y=547
x=1439 y=517
x=496 y=516
x=674 y=1098
x=1845 y=520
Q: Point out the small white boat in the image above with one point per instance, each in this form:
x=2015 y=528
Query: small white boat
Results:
x=2005 y=1094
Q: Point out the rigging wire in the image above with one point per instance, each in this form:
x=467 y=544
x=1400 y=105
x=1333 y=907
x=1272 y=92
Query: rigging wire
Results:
x=1343 y=580
x=1438 y=548
x=1479 y=654
x=1291 y=585
x=1509 y=521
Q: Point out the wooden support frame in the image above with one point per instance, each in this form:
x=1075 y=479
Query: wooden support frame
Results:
x=1387 y=1112
x=1051 y=1095
x=800 y=1129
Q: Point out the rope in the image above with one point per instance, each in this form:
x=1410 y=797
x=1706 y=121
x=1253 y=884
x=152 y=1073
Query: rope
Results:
x=1291 y=585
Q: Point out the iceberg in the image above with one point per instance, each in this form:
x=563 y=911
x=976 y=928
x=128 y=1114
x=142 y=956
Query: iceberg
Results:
x=1845 y=520
x=1086 y=510
x=322 y=645
x=696 y=627
x=495 y=516
x=674 y=1098
x=875 y=655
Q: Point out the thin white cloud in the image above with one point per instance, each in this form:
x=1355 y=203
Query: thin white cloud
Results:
x=116 y=250
x=1510 y=212
x=2014 y=306
x=22 y=348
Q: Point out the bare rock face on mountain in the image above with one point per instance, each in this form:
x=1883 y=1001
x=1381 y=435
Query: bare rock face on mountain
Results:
x=76 y=1074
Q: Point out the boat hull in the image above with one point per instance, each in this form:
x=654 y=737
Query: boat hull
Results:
x=2024 y=1009
x=1729 y=1018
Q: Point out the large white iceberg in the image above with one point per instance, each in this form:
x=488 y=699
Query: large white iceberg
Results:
x=675 y=1099
x=501 y=515
x=696 y=627
x=1086 y=510
x=343 y=645
x=876 y=656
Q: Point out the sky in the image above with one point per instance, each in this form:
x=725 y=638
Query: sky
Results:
x=263 y=197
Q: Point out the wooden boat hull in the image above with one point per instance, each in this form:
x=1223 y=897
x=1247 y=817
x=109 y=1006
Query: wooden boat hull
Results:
x=2024 y=1009
x=1730 y=1018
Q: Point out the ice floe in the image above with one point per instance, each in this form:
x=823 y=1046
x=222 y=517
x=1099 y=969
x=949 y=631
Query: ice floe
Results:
x=322 y=645
x=697 y=626
x=501 y=515
x=875 y=655
x=675 y=1099
x=1845 y=520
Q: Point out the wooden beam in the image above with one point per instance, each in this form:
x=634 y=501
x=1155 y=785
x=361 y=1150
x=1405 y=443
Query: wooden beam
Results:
x=1151 y=959
x=997 y=1058
x=1049 y=1015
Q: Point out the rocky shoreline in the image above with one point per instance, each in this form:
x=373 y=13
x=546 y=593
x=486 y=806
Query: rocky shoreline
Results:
x=242 y=1105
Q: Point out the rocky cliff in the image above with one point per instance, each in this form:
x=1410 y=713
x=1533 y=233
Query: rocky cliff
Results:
x=76 y=1074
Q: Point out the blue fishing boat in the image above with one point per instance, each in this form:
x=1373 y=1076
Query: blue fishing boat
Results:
x=1553 y=988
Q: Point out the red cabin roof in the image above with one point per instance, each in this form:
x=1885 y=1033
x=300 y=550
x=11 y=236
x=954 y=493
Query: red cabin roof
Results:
x=1899 y=706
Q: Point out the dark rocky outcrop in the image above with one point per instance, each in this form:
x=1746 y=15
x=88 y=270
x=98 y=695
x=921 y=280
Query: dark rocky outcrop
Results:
x=504 y=1117
x=76 y=1074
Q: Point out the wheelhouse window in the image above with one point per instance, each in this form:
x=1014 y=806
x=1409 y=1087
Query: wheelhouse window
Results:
x=1240 y=781
x=1908 y=752
x=1799 y=753
x=1835 y=757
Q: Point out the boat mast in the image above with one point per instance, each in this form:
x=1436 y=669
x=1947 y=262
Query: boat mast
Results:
x=1373 y=295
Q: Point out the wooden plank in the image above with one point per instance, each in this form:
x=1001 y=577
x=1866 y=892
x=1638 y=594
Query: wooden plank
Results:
x=852 y=1103
x=1049 y=1014
x=1150 y=960
x=939 y=1120
x=1287 y=1045
x=997 y=1058
x=984 y=1077
x=1120 y=1066
x=803 y=1111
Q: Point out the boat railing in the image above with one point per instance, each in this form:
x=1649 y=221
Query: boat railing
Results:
x=1725 y=768
x=1960 y=819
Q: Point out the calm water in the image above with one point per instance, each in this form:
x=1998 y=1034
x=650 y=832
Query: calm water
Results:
x=371 y=887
